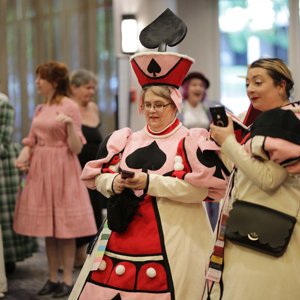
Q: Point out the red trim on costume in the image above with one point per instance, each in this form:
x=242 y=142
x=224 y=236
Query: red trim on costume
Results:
x=239 y=135
x=167 y=130
x=115 y=160
x=179 y=174
x=186 y=167
x=107 y=170
x=245 y=139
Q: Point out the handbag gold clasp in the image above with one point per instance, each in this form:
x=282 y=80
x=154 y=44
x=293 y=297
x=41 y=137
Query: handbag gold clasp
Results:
x=253 y=236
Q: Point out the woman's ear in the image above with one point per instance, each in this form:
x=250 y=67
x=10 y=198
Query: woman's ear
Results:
x=73 y=88
x=282 y=89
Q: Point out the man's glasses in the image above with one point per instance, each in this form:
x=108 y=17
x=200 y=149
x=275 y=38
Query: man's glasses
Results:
x=158 y=107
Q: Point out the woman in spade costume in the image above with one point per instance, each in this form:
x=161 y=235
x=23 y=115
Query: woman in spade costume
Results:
x=156 y=240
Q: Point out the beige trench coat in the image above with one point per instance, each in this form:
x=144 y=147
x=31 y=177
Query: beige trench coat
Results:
x=248 y=274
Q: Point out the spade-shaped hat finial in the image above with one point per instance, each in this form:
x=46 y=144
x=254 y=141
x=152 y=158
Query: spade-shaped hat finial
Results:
x=166 y=30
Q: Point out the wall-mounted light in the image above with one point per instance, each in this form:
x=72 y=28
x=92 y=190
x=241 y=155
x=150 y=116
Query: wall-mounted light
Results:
x=129 y=34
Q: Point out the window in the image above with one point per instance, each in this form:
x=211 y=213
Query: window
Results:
x=249 y=29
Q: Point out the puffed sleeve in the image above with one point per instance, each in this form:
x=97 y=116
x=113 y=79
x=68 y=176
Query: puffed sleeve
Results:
x=30 y=140
x=198 y=163
x=109 y=156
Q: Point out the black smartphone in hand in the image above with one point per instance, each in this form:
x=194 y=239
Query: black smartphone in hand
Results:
x=218 y=115
x=126 y=174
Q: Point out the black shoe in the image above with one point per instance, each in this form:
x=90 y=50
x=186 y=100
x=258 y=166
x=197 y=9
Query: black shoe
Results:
x=62 y=291
x=10 y=267
x=49 y=288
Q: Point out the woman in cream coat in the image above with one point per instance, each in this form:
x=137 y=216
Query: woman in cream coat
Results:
x=268 y=173
x=268 y=169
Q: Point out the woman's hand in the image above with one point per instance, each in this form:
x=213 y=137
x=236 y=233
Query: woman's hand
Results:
x=24 y=167
x=118 y=184
x=219 y=134
x=138 y=182
x=74 y=140
x=64 y=118
x=23 y=160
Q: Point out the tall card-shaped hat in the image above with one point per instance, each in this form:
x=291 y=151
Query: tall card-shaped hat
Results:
x=162 y=68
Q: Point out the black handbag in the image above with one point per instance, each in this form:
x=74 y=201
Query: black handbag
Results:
x=121 y=208
x=260 y=228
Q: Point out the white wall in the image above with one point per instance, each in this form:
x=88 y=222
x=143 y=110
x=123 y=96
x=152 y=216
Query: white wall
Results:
x=202 y=40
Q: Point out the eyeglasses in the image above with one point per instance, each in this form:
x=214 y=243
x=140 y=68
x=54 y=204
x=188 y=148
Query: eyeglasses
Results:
x=158 y=107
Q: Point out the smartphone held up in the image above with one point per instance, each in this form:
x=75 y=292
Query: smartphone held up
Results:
x=219 y=116
x=126 y=174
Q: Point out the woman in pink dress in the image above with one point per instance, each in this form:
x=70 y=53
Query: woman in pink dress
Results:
x=54 y=202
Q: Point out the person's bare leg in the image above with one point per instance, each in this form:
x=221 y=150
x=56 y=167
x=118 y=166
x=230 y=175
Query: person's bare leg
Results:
x=80 y=256
x=52 y=251
x=68 y=257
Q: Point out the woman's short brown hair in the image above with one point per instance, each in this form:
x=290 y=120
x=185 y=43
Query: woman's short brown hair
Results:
x=58 y=75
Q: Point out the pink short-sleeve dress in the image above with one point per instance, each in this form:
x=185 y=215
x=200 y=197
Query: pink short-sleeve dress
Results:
x=54 y=201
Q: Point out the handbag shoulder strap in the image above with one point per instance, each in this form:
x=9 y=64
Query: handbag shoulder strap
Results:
x=214 y=272
x=298 y=210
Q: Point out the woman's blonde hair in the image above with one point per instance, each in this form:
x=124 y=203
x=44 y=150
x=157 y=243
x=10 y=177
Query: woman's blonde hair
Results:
x=277 y=70
x=158 y=90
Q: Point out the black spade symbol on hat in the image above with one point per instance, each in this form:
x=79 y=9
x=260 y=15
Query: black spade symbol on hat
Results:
x=146 y=158
x=153 y=67
x=165 y=30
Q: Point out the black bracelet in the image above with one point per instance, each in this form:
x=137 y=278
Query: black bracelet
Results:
x=112 y=184
x=147 y=184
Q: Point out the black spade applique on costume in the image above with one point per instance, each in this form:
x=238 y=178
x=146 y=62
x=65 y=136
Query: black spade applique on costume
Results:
x=139 y=159
x=210 y=159
x=277 y=123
